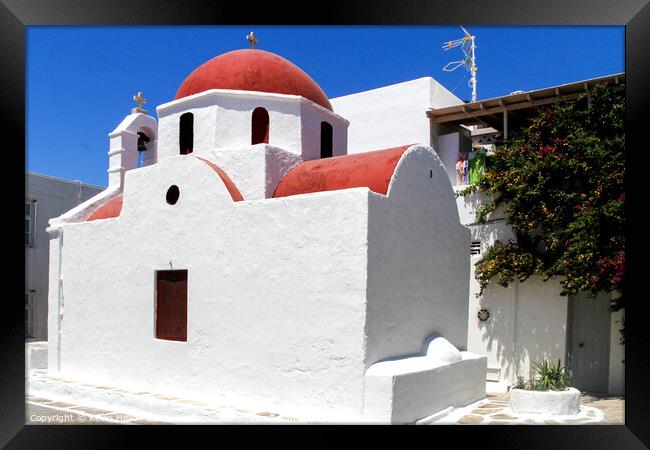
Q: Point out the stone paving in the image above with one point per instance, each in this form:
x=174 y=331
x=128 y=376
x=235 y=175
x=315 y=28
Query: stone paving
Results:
x=495 y=410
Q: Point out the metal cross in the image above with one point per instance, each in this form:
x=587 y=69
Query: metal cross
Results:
x=252 y=39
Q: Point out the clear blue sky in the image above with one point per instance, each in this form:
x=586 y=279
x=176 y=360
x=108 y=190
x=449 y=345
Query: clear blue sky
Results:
x=81 y=80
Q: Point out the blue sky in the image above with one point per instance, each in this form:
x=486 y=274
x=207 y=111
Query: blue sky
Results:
x=81 y=80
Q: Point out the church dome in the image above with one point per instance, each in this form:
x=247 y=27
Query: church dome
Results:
x=253 y=70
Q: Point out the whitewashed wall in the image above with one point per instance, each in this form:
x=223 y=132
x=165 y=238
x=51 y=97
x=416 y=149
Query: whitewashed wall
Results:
x=418 y=263
x=268 y=284
x=527 y=320
x=256 y=170
x=223 y=120
x=311 y=116
x=393 y=115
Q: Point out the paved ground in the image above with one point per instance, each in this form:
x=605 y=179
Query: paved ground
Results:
x=492 y=411
x=612 y=406
x=495 y=410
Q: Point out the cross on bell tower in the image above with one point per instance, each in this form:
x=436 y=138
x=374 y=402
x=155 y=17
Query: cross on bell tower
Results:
x=140 y=99
x=252 y=39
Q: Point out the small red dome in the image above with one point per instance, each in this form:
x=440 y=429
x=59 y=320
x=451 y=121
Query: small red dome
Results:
x=253 y=70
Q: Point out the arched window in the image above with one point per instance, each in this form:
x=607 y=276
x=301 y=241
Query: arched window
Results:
x=186 y=134
x=260 y=128
x=325 y=140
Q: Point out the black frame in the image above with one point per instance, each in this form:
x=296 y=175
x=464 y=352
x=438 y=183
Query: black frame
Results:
x=15 y=15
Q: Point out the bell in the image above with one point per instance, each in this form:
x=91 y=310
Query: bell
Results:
x=142 y=140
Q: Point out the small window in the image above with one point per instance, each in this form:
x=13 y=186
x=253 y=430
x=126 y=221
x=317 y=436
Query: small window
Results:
x=260 y=127
x=30 y=210
x=325 y=140
x=475 y=248
x=171 y=305
x=186 y=134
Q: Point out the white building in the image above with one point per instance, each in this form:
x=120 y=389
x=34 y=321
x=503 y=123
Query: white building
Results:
x=45 y=197
x=252 y=261
x=527 y=321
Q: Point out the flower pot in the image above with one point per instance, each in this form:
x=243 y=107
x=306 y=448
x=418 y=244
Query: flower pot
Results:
x=545 y=402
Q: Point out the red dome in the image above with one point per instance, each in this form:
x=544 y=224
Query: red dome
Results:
x=373 y=170
x=253 y=70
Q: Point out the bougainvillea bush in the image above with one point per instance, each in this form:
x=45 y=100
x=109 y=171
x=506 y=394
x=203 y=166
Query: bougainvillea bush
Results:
x=560 y=180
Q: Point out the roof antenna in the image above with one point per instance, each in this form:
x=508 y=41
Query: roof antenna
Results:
x=467 y=45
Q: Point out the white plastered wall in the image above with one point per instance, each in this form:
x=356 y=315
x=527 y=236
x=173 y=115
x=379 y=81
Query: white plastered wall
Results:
x=311 y=116
x=255 y=170
x=418 y=262
x=223 y=120
x=527 y=320
x=393 y=115
x=268 y=283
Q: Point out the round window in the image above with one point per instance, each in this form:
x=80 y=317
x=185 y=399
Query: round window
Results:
x=172 y=194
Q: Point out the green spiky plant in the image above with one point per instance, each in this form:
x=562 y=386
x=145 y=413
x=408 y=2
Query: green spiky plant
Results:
x=549 y=377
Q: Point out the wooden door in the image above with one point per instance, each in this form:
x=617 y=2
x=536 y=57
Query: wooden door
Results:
x=171 y=305
x=588 y=349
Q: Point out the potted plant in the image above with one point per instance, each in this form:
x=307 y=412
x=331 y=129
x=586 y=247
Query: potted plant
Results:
x=547 y=392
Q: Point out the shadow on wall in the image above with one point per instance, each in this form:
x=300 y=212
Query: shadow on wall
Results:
x=473 y=201
x=527 y=324
x=497 y=333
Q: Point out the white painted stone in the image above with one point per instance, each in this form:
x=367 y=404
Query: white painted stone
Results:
x=545 y=402
x=441 y=349
x=409 y=389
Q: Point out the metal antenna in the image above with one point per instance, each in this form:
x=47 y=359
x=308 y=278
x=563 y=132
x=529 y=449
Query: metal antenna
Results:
x=467 y=45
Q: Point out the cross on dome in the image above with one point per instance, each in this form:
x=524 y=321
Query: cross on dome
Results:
x=252 y=39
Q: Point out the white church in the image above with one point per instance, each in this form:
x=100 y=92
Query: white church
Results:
x=262 y=245
x=249 y=258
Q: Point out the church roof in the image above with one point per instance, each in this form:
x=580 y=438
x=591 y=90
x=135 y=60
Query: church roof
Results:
x=373 y=170
x=253 y=70
x=113 y=207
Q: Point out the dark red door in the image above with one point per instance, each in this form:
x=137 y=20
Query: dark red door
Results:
x=171 y=305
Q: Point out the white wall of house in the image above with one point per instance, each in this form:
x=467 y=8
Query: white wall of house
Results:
x=393 y=115
x=52 y=197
